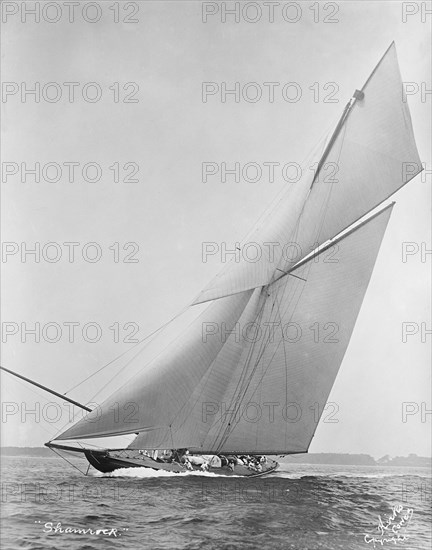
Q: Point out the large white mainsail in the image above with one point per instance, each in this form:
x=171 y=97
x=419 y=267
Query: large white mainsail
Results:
x=373 y=155
x=198 y=393
x=277 y=395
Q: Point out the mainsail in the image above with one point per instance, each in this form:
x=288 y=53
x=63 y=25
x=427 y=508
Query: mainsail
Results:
x=373 y=156
x=278 y=394
x=253 y=372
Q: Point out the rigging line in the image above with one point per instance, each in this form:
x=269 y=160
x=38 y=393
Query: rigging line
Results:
x=184 y=331
x=118 y=373
x=255 y=368
x=207 y=375
x=223 y=431
x=168 y=345
x=98 y=392
x=151 y=361
x=271 y=359
x=130 y=349
x=158 y=446
x=294 y=233
x=285 y=358
x=323 y=211
x=325 y=205
x=92 y=444
x=205 y=378
x=72 y=454
x=297 y=223
x=172 y=439
x=247 y=359
x=291 y=274
x=229 y=428
x=60 y=430
x=285 y=190
x=161 y=445
x=294 y=291
x=73 y=465
x=245 y=386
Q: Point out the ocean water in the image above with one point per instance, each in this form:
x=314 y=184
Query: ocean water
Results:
x=301 y=507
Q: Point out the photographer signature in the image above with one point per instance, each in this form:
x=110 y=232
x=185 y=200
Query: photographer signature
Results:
x=393 y=530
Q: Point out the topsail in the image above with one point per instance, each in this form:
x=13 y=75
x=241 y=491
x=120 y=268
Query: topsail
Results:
x=373 y=156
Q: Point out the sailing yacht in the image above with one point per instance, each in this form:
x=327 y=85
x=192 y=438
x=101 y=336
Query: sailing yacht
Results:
x=261 y=389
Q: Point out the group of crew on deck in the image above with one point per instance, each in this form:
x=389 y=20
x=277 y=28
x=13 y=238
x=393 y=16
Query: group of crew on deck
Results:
x=254 y=463
x=181 y=456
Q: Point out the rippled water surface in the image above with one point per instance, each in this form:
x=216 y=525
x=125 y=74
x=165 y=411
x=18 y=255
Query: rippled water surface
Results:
x=299 y=507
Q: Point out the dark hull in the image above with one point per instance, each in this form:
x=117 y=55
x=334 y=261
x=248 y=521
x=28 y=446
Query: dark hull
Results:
x=108 y=461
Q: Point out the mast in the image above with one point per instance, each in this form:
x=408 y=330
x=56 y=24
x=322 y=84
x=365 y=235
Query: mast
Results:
x=47 y=389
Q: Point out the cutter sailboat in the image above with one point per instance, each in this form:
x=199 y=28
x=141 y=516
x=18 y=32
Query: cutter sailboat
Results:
x=258 y=382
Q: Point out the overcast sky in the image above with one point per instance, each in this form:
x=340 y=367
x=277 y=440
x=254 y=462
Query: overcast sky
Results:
x=169 y=133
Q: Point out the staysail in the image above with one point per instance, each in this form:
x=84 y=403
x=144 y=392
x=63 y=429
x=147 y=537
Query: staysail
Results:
x=262 y=357
x=373 y=155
